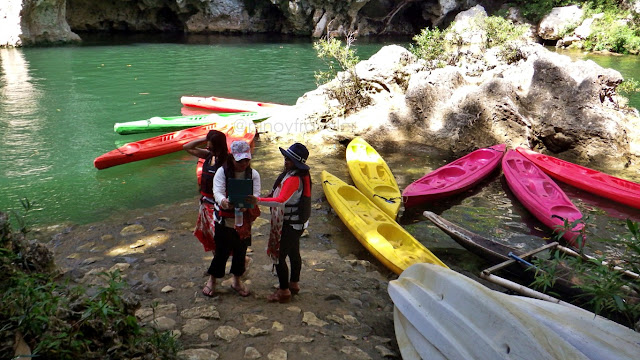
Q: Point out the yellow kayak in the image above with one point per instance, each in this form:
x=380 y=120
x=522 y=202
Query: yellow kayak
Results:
x=377 y=231
x=372 y=176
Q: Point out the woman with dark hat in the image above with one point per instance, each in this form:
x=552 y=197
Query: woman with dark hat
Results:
x=290 y=203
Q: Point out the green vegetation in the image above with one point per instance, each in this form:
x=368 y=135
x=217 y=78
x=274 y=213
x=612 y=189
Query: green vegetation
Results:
x=62 y=322
x=606 y=290
x=616 y=30
x=438 y=46
x=341 y=61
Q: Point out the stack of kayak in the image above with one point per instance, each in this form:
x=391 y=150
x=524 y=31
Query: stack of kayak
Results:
x=441 y=314
x=237 y=124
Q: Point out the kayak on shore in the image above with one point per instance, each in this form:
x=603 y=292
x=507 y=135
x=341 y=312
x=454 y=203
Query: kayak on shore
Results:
x=229 y=105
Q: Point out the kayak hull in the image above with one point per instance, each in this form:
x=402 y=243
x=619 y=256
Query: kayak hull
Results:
x=540 y=195
x=377 y=232
x=228 y=105
x=610 y=187
x=455 y=177
x=454 y=317
x=175 y=123
x=372 y=176
x=172 y=142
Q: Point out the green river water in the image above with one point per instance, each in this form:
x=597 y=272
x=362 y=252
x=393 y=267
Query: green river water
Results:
x=58 y=106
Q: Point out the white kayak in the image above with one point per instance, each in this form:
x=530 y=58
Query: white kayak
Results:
x=446 y=315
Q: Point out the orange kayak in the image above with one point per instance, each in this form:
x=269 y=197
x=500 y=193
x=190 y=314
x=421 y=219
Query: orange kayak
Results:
x=228 y=105
x=172 y=142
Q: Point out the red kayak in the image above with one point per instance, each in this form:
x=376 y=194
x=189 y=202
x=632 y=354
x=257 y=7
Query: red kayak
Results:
x=172 y=142
x=455 y=177
x=228 y=105
x=539 y=194
x=595 y=182
x=230 y=138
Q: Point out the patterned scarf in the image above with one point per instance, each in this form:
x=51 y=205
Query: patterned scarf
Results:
x=277 y=219
x=205 y=229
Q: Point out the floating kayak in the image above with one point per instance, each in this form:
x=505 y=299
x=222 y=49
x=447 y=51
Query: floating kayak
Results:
x=446 y=315
x=182 y=122
x=372 y=176
x=540 y=195
x=228 y=105
x=172 y=142
x=392 y=245
x=455 y=177
x=611 y=187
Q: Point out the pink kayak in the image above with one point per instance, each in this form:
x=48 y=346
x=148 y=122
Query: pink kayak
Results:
x=595 y=182
x=228 y=105
x=455 y=177
x=539 y=194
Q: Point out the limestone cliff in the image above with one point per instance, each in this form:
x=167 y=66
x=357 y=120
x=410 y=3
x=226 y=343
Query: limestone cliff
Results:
x=26 y=22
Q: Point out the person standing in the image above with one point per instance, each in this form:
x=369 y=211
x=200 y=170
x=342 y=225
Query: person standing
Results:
x=290 y=203
x=215 y=154
x=232 y=238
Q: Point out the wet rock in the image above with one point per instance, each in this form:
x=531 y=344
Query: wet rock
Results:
x=251 y=353
x=203 y=311
x=137 y=244
x=277 y=354
x=254 y=331
x=150 y=277
x=227 y=333
x=107 y=237
x=251 y=319
x=132 y=230
x=355 y=353
x=311 y=319
x=163 y=323
x=90 y=260
x=198 y=354
x=296 y=339
x=120 y=267
x=195 y=326
x=385 y=352
x=167 y=289
x=146 y=314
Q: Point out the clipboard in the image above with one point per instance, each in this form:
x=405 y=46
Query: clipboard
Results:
x=238 y=190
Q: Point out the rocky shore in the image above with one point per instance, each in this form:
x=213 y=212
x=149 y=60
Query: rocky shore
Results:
x=342 y=311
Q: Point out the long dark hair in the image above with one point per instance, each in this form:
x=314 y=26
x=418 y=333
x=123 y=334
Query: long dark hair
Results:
x=220 y=151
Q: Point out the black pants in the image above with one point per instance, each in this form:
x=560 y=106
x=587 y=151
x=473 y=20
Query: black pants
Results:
x=289 y=246
x=227 y=241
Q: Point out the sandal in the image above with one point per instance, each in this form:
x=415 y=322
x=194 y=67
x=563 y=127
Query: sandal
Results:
x=279 y=296
x=209 y=291
x=242 y=290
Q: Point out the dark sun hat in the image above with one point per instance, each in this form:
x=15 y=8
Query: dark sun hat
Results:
x=297 y=153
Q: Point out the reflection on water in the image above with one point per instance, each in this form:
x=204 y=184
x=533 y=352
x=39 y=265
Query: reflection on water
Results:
x=19 y=118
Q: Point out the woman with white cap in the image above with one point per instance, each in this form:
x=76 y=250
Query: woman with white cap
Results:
x=232 y=237
x=290 y=203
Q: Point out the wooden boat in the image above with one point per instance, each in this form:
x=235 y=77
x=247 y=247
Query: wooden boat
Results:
x=540 y=195
x=175 y=123
x=377 y=232
x=455 y=317
x=228 y=105
x=172 y=142
x=495 y=252
x=611 y=187
x=372 y=176
x=455 y=177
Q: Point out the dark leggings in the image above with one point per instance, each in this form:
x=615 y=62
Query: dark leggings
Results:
x=227 y=240
x=289 y=246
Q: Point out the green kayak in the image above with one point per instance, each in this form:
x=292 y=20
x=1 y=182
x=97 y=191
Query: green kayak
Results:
x=175 y=123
